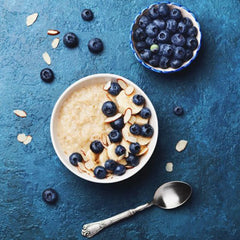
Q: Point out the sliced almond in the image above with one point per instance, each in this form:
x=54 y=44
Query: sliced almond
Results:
x=169 y=167
x=129 y=90
x=141 y=121
x=109 y=97
x=20 y=113
x=82 y=167
x=129 y=167
x=28 y=140
x=113 y=118
x=103 y=157
x=21 y=137
x=31 y=19
x=127 y=115
x=55 y=42
x=181 y=145
x=122 y=161
x=127 y=136
x=52 y=32
x=103 y=140
x=132 y=119
x=131 y=139
x=107 y=85
x=91 y=156
x=144 y=150
x=89 y=165
x=125 y=144
x=143 y=140
x=108 y=141
x=90 y=173
x=46 y=58
x=122 y=83
x=111 y=152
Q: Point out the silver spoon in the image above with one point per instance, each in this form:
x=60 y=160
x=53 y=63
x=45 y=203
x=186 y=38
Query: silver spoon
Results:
x=167 y=196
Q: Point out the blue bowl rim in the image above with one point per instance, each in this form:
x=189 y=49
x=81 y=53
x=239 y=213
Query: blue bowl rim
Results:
x=165 y=70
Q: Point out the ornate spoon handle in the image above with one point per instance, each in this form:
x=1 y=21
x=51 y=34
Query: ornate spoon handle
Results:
x=90 y=229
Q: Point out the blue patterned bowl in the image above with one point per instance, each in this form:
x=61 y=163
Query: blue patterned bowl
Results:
x=185 y=13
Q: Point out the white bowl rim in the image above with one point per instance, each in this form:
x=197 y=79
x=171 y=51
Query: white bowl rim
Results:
x=128 y=173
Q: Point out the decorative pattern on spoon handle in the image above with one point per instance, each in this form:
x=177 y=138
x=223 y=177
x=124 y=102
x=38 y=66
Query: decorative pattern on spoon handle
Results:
x=90 y=229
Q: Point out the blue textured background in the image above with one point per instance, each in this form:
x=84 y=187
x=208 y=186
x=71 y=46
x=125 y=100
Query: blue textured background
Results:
x=208 y=90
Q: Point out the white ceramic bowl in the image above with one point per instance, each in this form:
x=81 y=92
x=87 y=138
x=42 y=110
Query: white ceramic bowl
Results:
x=64 y=158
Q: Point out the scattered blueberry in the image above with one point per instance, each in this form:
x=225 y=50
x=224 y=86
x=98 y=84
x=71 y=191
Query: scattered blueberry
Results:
x=192 y=43
x=96 y=146
x=163 y=10
x=178 y=39
x=152 y=30
x=150 y=41
x=132 y=160
x=50 y=196
x=163 y=36
x=135 y=148
x=175 y=14
x=47 y=75
x=154 y=61
x=120 y=170
x=171 y=25
x=178 y=110
x=143 y=21
x=139 y=35
x=179 y=53
x=146 y=55
x=110 y=165
x=145 y=113
x=182 y=27
x=167 y=50
x=135 y=129
x=187 y=21
x=176 y=63
x=109 y=108
x=192 y=32
x=70 y=40
x=87 y=15
x=147 y=130
x=164 y=62
x=117 y=124
x=95 y=45
x=100 y=172
x=140 y=46
x=154 y=48
x=74 y=158
x=188 y=54
x=153 y=12
x=120 y=150
x=114 y=89
x=138 y=99
x=115 y=136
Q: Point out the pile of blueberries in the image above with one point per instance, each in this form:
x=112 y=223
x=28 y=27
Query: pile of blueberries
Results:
x=164 y=38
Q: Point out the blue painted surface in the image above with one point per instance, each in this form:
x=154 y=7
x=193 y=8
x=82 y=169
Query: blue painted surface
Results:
x=208 y=90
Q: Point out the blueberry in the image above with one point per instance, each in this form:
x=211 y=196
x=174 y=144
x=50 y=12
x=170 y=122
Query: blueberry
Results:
x=132 y=160
x=154 y=61
x=140 y=46
x=176 y=63
x=100 y=172
x=192 y=43
x=147 y=130
x=109 y=108
x=115 y=136
x=138 y=99
x=70 y=40
x=182 y=27
x=192 y=32
x=145 y=113
x=178 y=39
x=152 y=30
x=120 y=170
x=146 y=55
x=143 y=21
x=139 y=35
x=117 y=124
x=179 y=53
x=110 y=165
x=167 y=50
x=120 y=150
x=96 y=146
x=188 y=54
x=163 y=10
x=135 y=129
x=178 y=110
x=171 y=25
x=187 y=21
x=95 y=45
x=164 y=62
x=74 y=158
x=87 y=15
x=135 y=148
x=114 y=89
x=50 y=196
x=160 y=23
x=163 y=36
x=154 y=48
x=153 y=12
x=47 y=75
x=175 y=14
x=150 y=41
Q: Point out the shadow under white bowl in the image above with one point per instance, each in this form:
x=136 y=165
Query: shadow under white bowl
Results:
x=86 y=81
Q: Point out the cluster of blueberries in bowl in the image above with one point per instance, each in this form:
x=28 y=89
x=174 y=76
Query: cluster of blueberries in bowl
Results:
x=165 y=37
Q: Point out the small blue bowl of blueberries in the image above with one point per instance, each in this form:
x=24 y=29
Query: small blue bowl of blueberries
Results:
x=165 y=37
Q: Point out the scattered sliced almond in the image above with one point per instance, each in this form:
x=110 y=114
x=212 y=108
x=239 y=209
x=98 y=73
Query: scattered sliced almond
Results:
x=141 y=121
x=113 y=118
x=125 y=144
x=28 y=140
x=89 y=165
x=20 y=113
x=21 y=137
x=103 y=157
x=82 y=167
x=131 y=139
x=129 y=167
x=122 y=161
x=143 y=140
x=52 y=32
x=122 y=83
x=103 y=140
x=144 y=150
x=109 y=97
x=31 y=19
x=55 y=42
x=169 y=167
x=127 y=136
x=132 y=119
x=129 y=90
x=46 y=58
x=111 y=152
x=181 y=145
x=108 y=141
x=107 y=85
x=127 y=115
x=91 y=156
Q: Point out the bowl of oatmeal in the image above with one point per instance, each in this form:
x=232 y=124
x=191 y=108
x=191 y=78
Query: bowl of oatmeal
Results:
x=104 y=128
